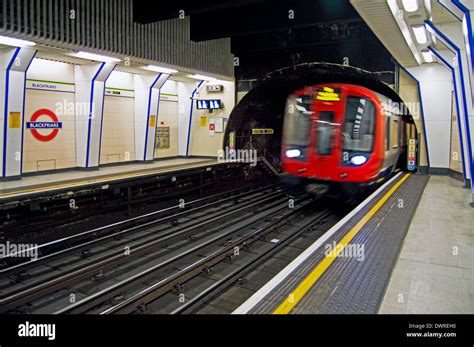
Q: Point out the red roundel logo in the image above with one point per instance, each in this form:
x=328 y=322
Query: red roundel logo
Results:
x=54 y=125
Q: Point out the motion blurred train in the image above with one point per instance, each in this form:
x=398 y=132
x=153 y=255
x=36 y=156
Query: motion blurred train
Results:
x=343 y=137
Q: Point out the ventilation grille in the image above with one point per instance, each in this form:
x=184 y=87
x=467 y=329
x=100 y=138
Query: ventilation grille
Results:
x=107 y=25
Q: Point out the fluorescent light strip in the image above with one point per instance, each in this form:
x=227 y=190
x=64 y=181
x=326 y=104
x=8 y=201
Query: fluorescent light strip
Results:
x=420 y=34
x=159 y=69
x=10 y=41
x=96 y=57
x=427 y=56
x=202 y=77
x=404 y=29
x=410 y=5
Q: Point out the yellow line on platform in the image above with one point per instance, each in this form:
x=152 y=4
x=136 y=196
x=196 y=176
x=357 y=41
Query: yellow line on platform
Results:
x=292 y=300
x=73 y=184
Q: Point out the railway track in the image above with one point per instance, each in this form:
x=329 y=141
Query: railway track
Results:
x=69 y=266
x=118 y=229
x=175 y=260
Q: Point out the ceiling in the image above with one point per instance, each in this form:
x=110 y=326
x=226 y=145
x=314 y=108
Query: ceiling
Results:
x=267 y=35
x=380 y=19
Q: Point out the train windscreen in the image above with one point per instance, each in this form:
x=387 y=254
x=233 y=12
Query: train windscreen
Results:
x=359 y=125
x=297 y=121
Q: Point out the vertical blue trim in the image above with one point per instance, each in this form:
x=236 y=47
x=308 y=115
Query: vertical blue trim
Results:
x=461 y=73
x=191 y=116
x=90 y=114
x=148 y=115
x=102 y=115
x=422 y=113
x=23 y=115
x=157 y=111
x=450 y=67
x=5 y=120
x=470 y=34
x=449 y=10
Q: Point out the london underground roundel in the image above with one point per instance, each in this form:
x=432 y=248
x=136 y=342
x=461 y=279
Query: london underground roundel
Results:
x=53 y=125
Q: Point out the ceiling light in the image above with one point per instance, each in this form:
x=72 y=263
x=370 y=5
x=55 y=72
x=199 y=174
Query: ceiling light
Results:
x=427 y=56
x=159 y=69
x=96 y=57
x=420 y=34
x=9 y=41
x=410 y=5
x=202 y=77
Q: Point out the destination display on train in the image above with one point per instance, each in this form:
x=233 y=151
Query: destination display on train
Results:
x=328 y=94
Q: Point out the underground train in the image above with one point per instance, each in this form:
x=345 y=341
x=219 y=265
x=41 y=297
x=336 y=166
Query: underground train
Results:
x=343 y=137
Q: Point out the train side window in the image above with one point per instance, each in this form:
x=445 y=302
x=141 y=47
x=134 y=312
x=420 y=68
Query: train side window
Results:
x=394 y=135
x=387 y=133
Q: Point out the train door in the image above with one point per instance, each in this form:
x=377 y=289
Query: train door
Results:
x=325 y=150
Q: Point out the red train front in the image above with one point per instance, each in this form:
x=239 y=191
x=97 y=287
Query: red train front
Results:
x=343 y=134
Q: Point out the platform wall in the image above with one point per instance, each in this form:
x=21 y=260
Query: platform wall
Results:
x=203 y=141
x=168 y=117
x=55 y=85
x=436 y=87
x=409 y=94
x=60 y=152
x=455 y=162
x=118 y=136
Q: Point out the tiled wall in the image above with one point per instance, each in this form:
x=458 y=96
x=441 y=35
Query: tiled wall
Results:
x=202 y=143
x=409 y=94
x=455 y=162
x=58 y=153
x=168 y=117
x=118 y=143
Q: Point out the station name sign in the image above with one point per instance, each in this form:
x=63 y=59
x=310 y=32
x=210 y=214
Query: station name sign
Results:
x=53 y=125
x=51 y=86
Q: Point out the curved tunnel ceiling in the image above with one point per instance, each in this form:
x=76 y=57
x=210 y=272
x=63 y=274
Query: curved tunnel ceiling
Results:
x=264 y=105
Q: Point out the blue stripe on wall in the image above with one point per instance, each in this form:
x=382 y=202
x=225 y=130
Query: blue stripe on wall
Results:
x=457 y=51
x=5 y=120
x=191 y=116
x=89 y=125
x=453 y=73
x=422 y=113
x=23 y=114
x=102 y=115
x=148 y=116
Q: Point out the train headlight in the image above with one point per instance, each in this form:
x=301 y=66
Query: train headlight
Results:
x=293 y=153
x=358 y=160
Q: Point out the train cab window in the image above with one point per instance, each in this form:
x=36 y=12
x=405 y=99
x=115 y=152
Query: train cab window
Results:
x=297 y=121
x=324 y=132
x=359 y=125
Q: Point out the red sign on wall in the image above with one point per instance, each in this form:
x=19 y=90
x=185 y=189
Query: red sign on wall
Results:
x=34 y=125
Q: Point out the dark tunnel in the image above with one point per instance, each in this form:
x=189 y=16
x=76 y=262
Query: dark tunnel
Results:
x=263 y=106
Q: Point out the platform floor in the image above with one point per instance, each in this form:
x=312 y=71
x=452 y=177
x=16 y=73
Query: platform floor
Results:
x=435 y=270
x=347 y=270
x=43 y=182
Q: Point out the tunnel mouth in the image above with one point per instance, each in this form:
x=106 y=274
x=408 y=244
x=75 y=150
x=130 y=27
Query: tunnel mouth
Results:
x=262 y=108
